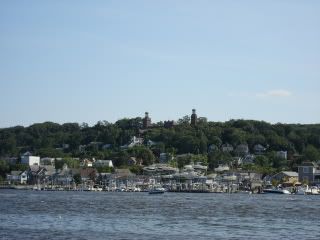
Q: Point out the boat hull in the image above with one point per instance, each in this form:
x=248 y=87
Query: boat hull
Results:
x=156 y=192
x=276 y=191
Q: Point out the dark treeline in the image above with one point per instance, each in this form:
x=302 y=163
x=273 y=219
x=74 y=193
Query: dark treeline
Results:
x=302 y=142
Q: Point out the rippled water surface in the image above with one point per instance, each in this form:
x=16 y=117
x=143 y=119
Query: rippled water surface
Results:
x=104 y=215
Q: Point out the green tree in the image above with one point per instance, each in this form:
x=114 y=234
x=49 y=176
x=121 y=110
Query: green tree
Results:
x=311 y=153
x=143 y=154
x=136 y=169
x=4 y=168
x=218 y=157
x=262 y=161
x=105 y=169
x=184 y=120
x=77 y=178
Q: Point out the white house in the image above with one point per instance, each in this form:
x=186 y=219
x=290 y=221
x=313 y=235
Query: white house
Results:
x=17 y=177
x=13 y=177
x=134 y=141
x=27 y=158
x=24 y=177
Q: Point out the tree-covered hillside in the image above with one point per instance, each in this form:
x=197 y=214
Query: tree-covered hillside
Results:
x=302 y=142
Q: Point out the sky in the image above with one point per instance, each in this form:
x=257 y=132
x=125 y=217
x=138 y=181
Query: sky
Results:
x=85 y=61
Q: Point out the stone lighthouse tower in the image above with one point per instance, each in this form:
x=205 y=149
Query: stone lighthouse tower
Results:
x=146 y=121
x=193 y=118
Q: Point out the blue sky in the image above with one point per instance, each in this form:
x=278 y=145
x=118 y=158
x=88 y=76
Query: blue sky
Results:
x=85 y=61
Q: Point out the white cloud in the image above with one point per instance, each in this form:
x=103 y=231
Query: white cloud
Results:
x=275 y=93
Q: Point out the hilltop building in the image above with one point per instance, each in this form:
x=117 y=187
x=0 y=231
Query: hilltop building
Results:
x=194 y=118
x=146 y=121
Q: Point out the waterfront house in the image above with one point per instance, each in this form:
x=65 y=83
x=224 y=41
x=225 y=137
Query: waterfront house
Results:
x=122 y=177
x=14 y=177
x=88 y=174
x=251 y=180
x=36 y=174
x=104 y=178
x=244 y=179
x=309 y=172
x=50 y=173
x=64 y=177
x=24 y=177
x=17 y=177
x=287 y=177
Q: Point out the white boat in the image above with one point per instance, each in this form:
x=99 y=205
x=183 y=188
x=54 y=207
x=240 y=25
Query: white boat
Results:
x=157 y=190
x=312 y=191
x=307 y=190
x=276 y=191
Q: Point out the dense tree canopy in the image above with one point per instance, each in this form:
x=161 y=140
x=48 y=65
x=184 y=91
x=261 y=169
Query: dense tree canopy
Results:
x=54 y=140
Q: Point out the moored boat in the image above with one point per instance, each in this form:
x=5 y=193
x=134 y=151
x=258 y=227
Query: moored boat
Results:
x=156 y=190
x=276 y=191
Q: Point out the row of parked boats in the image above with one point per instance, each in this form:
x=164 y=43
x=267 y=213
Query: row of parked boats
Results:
x=159 y=189
x=305 y=190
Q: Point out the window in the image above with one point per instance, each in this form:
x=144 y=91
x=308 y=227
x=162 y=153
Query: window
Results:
x=305 y=169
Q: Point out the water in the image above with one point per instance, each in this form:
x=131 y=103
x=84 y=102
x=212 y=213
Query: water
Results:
x=105 y=215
